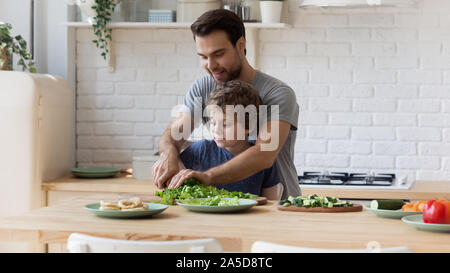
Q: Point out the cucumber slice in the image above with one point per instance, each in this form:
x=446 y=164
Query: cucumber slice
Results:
x=297 y=202
x=331 y=199
x=312 y=196
x=313 y=200
x=389 y=204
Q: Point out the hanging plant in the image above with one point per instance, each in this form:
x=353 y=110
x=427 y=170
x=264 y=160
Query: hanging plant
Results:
x=99 y=13
x=104 y=10
x=9 y=46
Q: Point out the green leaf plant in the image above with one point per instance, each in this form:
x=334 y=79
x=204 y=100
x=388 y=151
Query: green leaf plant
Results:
x=104 y=10
x=9 y=46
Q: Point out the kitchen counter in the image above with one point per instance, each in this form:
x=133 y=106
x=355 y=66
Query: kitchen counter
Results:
x=420 y=190
x=123 y=183
x=235 y=231
x=126 y=184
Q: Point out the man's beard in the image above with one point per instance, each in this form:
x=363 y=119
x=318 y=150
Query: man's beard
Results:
x=232 y=75
x=235 y=74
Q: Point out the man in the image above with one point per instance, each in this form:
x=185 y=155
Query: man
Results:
x=220 y=41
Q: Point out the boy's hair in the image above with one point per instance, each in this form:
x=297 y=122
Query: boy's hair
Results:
x=234 y=93
x=219 y=19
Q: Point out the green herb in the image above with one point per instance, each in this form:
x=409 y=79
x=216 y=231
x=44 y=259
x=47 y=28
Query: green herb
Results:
x=213 y=201
x=14 y=45
x=192 y=189
x=104 y=10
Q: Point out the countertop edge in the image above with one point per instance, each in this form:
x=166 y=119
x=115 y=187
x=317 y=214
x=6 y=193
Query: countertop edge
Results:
x=126 y=184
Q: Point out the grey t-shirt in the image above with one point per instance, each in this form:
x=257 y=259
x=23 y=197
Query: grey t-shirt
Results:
x=272 y=92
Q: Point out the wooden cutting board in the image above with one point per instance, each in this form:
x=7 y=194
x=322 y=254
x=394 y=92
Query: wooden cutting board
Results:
x=355 y=207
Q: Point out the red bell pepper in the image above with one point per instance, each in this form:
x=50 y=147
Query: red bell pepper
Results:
x=437 y=212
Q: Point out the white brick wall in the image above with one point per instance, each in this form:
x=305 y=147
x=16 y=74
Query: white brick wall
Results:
x=373 y=87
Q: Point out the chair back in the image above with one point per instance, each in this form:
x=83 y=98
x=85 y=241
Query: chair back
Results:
x=266 y=247
x=81 y=243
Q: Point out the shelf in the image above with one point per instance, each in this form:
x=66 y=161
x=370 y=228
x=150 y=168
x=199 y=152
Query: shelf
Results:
x=252 y=34
x=169 y=25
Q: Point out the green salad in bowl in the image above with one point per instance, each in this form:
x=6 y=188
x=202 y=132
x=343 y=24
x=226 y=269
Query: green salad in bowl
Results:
x=193 y=189
x=213 y=201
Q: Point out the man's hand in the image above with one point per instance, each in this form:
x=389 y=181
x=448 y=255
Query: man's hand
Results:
x=181 y=176
x=165 y=168
x=169 y=162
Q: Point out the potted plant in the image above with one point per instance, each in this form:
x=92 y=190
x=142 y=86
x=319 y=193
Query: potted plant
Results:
x=9 y=46
x=271 y=10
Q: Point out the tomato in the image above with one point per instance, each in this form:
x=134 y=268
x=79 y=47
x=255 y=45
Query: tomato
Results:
x=437 y=212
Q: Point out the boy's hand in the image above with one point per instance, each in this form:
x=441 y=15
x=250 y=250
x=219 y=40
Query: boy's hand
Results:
x=179 y=178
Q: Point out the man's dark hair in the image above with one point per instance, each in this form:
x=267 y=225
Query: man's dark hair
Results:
x=219 y=19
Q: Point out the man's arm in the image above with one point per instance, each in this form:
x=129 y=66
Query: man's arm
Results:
x=169 y=162
x=253 y=159
x=246 y=164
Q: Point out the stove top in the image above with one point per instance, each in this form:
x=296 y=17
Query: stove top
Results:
x=350 y=179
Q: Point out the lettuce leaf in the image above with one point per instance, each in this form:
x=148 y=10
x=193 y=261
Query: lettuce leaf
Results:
x=192 y=188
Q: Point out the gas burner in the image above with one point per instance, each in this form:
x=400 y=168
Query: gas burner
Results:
x=323 y=178
x=382 y=179
x=353 y=179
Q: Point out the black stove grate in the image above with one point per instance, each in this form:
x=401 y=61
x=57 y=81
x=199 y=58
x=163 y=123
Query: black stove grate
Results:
x=350 y=179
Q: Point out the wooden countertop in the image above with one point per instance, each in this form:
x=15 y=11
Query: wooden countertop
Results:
x=235 y=231
x=122 y=183
x=126 y=184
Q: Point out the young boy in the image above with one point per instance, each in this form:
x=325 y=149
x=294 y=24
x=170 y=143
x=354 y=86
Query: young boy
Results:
x=225 y=127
